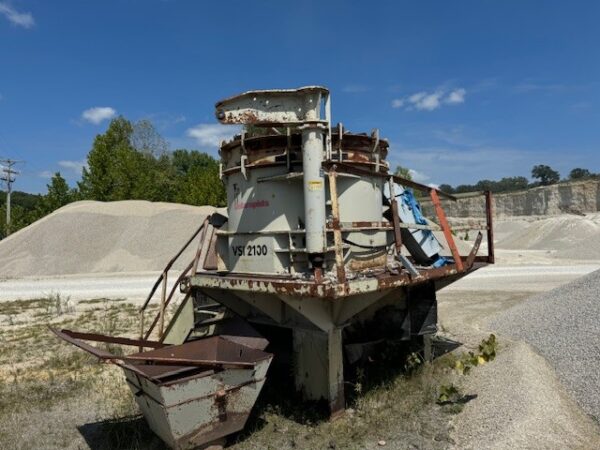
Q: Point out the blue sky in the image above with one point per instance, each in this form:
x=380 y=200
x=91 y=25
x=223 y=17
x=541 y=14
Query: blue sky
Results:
x=464 y=90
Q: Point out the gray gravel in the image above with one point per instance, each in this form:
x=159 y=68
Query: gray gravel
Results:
x=563 y=325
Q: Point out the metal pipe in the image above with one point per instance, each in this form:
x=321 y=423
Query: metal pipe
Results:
x=314 y=188
x=489 y=216
x=163 y=304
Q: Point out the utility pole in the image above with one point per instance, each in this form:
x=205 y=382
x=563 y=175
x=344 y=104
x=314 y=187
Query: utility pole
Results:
x=7 y=174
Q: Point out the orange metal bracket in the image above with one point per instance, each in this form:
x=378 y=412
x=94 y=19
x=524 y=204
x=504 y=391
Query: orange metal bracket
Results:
x=443 y=222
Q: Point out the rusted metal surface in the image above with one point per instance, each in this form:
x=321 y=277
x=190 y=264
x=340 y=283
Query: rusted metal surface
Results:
x=99 y=353
x=335 y=224
x=112 y=339
x=277 y=150
x=371 y=261
x=273 y=107
x=396 y=222
x=489 y=214
x=180 y=278
x=325 y=289
x=211 y=260
x=201 y=249
x=213 y=352
x=471 y=258
x=395 y=218
x=188 y=406
x=163 y=304
x=346 y=168
x=441 y=215
x=209 y=352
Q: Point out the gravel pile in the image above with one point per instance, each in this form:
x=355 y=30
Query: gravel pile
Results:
x=97 y=237
x=564 y=326
x=568 y=236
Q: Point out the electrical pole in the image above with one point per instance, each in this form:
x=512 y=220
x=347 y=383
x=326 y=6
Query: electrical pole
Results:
x=7 y=174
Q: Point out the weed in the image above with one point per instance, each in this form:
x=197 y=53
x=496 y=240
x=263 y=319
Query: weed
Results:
x=448 y=393
x=58 y=305
x=413 y=363
x=486 y=353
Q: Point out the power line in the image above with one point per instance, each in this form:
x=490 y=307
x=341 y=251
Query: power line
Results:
x=8 y=175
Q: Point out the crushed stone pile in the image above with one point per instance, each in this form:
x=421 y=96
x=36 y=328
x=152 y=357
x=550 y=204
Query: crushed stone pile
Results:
x=503 y=229
x=567 y=236
x=563 y=325
x=98 y=237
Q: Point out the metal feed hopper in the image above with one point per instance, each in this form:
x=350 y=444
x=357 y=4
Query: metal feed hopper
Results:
x=319 y=239
x=191 y=394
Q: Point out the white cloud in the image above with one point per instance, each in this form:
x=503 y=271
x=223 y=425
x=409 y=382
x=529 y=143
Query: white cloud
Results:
x=24 y=20
x=456 y=96
x=98 y=114
x=46 y=174
x=211 y=135
x=75 y=166
x=417 y=176
x=430 y=101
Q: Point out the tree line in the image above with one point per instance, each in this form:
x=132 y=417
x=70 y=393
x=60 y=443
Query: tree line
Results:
x=130 y=161
x=542 y=174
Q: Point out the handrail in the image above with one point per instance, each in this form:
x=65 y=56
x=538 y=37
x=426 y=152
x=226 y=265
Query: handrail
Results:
x=169 y=265
x=162 y=279
x=168 y=299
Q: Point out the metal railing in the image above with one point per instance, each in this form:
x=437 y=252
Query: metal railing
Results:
x=162 y=283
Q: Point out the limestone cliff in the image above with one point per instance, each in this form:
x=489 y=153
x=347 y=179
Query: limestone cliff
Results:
x=573 y=197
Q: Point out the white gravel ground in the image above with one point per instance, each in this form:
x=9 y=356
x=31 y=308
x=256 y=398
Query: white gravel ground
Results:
x=564 y=326
x=132 y=286
x=521 y=405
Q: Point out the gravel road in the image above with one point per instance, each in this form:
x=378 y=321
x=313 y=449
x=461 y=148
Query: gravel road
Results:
x=531 y=278
x=132 y=286
x=564 y=326
x=135 y=286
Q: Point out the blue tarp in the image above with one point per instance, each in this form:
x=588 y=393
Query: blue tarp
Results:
x=408 y=198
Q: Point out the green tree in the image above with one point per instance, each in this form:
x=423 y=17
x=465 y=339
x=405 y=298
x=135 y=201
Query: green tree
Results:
x=462 y=188
x=59 y=194
x=508 y=184
x=108 y=163
x=446 y=188
x=184 y=160
x=486 y=185
x=579 y=174
x=198 y=180
x=118 y=171
x=545 y=174
x=403 y=172
x=20 y=217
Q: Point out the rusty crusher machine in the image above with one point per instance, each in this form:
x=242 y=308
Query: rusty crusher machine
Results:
x=319 y=239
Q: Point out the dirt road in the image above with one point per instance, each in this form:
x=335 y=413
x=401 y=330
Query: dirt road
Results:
x=132 y=286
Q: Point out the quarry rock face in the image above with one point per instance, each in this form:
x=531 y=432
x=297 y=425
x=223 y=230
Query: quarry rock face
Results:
x=573 y=197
